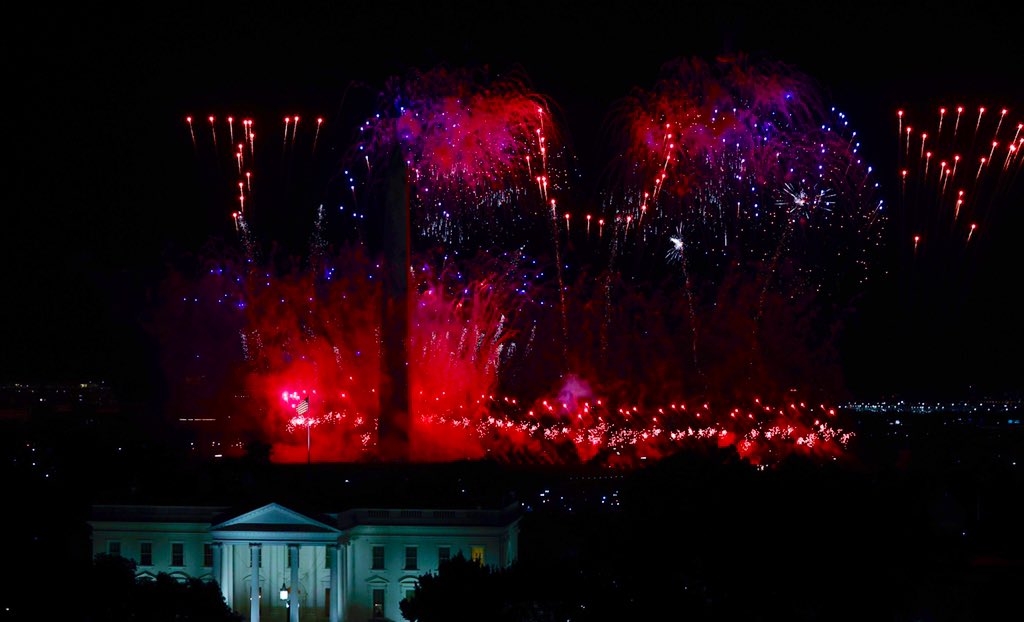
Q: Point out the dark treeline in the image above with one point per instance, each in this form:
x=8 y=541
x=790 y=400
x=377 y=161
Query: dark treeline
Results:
x=923 y=524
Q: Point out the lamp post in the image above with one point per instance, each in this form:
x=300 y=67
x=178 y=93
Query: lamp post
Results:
x=283 y=595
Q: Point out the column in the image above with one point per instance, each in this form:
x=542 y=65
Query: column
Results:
x=218 y=568
x=334 y=550
x=229 y=574
x=348 y=576
x=293 y=593
x=254 y=582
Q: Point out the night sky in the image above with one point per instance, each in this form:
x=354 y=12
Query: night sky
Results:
x=103 y=185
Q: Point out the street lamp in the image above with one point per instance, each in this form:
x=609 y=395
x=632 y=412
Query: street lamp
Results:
x=284 y=591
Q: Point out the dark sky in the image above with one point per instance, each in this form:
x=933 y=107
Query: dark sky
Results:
x=102 y=185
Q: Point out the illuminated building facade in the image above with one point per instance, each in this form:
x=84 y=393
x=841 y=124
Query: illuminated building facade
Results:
x=352 y=565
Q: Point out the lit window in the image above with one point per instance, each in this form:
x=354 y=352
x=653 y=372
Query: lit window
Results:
x=146 y=554
x=410 y=558
x=177 y=554
x=208 y=555
x=378 y=557
x=444 y=553
x=114 y=547
x=378 y=602
x=478 y=555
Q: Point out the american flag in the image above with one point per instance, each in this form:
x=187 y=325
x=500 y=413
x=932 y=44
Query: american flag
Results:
x=303 y=407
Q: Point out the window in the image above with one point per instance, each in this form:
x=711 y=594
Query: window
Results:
x=208 y=555
x=410 y=558
x=177 y=554
x=327 y=557
x=114 y=547
x=378 y=602
x=408 y=590
x=146 y=554
x=378 y=557
x=478 y=555
x=444 y=553
x=289 y=562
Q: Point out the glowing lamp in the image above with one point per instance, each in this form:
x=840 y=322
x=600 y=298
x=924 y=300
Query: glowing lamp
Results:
x=284 y=592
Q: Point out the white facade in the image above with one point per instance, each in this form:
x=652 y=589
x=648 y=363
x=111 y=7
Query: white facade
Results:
x=353 y=565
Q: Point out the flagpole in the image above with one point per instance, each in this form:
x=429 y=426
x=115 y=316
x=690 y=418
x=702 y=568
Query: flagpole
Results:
x=307 y=442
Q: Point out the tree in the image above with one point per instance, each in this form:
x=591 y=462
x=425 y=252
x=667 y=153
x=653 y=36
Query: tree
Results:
x=117 y=595
x=462 y=590
x=165 y=599
x=110 y=590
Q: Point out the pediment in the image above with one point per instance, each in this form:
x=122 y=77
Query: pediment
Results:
x=274 y=518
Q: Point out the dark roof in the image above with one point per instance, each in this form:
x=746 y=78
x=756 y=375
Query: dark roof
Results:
x=290 y=527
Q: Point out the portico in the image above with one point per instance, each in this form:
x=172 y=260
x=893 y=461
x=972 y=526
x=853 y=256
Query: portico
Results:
x=272 y=540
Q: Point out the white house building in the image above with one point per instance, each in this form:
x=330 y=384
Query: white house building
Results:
x=274 y=563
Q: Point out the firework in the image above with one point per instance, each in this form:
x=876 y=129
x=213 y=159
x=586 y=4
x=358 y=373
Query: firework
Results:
x=475 y=147
x=733 y=170
x=744 y=158
x=951 y=201
x=314 y=334
x=945 y=206
x=739 y=176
